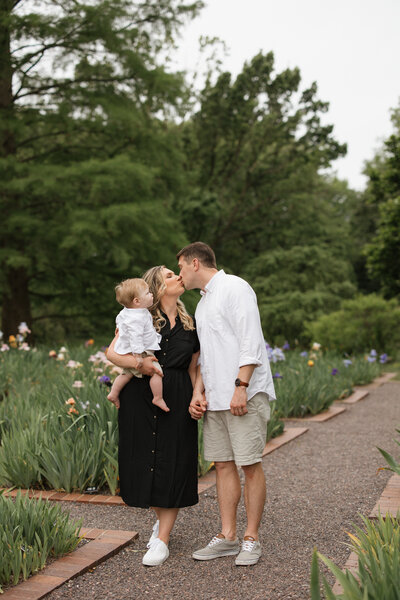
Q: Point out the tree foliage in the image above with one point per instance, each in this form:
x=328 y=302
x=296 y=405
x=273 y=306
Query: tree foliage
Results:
x=363 y=323
x=383 y=250
x=109 y=165
x=297 y=285
x=87 y=162
x=253 y=150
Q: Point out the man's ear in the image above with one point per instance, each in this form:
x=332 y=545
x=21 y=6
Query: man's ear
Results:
x=196 y=264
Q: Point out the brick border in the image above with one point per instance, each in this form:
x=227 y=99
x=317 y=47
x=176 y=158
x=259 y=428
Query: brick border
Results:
x=289 y=434
x=104 y=543
x=66 y=497
x=389 y=502
x=332 y=411
x=377 y=382
x=356 y=396
x=352 y=566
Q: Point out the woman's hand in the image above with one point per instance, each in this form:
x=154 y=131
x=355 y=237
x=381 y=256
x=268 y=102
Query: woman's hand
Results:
x=148 y=367
x=198 y=405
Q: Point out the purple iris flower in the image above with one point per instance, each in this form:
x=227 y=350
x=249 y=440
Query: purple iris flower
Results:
x=347 y=362
x=105 y=379
x=304 y=354
x=383 y=358
x=334 y=371
x=277 y=376
x=371 y=359
x=373 y=353
x=286 y=346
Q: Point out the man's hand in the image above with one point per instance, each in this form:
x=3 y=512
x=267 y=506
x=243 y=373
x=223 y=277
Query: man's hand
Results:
x=239 y=402
x=198 y=405
x=148 y=368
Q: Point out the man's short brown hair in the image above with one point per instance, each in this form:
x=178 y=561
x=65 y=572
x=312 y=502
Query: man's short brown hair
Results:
x=201 y=251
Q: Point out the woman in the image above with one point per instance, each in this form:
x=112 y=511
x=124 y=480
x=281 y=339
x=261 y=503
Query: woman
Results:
x=157 y=449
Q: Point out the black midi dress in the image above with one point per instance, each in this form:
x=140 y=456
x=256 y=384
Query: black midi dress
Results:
x=157 y=451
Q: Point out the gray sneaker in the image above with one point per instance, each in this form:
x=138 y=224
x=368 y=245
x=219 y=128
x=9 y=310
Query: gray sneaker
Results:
x=250 y=552
x=218 y=547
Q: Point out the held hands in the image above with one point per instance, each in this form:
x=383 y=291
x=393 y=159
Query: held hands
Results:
x=198 y=405
x=147 y=367
x=239 y=402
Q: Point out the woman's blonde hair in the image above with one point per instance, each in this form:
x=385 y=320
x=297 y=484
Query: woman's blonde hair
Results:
x=155 y=280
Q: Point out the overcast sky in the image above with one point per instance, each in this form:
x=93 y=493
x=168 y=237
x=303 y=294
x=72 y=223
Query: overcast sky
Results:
x=351 y=48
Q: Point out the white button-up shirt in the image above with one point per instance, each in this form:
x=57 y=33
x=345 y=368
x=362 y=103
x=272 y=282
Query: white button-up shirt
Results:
x=136 y=331
x=229 y=329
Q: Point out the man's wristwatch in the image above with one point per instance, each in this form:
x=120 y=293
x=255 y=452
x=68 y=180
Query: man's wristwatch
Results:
x=239 y=382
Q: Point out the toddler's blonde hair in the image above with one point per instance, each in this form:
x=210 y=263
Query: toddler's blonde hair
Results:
x=127 y=290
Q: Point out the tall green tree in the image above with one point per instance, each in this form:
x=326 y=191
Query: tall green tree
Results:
x=88 y=165
x=383 y=196
x=254 y=149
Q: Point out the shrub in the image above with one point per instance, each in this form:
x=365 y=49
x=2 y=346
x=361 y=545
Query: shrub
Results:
x=296 y=285
x=361 y=324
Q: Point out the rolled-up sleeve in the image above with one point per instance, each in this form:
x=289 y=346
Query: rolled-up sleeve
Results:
x=245 y=321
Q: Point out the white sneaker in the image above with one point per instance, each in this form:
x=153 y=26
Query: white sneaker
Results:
x=156 y=554
x=154 y=535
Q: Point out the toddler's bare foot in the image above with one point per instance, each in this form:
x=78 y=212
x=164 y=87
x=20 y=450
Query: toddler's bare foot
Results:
x=114 y=398
x=160 y=402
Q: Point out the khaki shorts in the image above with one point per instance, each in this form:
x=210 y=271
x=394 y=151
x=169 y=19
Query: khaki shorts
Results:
x=137 y=373
x=242 y=439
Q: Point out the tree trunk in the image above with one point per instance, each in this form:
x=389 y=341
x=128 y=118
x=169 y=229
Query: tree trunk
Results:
x=16 y=302
x=7 y=142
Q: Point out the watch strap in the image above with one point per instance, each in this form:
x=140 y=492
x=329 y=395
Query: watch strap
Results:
x=240 y=383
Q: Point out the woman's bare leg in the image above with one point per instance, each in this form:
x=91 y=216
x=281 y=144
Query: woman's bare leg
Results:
x=167 y=518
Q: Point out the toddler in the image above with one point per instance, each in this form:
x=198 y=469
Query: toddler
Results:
x=136 y=335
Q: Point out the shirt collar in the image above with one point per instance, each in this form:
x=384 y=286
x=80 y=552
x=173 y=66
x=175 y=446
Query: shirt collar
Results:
x=213 y=281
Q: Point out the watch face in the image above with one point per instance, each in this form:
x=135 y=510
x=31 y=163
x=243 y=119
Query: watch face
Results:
x=237 y=382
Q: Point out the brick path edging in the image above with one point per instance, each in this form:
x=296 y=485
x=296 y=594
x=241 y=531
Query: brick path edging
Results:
x=104 y=543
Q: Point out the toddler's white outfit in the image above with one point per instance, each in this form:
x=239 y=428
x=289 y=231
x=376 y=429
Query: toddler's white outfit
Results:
x=136 y=335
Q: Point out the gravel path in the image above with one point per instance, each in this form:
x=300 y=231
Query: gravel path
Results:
x=317 y=485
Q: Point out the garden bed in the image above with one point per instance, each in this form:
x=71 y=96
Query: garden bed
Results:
x=59 y=432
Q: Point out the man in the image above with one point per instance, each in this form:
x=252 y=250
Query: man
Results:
x=232 y=390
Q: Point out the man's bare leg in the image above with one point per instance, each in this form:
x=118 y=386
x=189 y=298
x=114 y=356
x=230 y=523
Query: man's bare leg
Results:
x=119 y=382
x=229 y=491
x=254 y=497
x=157 y=389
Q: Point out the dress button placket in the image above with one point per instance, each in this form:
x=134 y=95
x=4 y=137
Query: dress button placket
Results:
x=154 y=444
